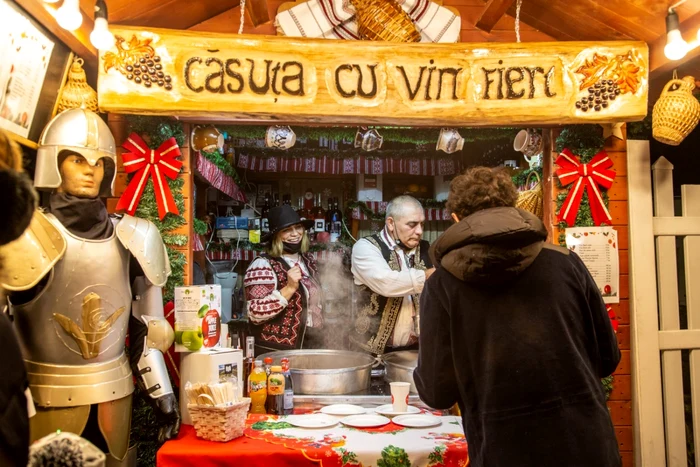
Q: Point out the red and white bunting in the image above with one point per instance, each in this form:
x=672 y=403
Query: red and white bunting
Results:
x=353 y=165
x=219 y=179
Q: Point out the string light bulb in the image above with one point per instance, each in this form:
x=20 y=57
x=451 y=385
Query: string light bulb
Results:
x=69 y=16
x=101 y=37
x=676 y=47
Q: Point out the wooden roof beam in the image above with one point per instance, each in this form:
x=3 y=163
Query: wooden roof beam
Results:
x=658 y=63
x=78 y=41
x=257 y=10
x=492 y=13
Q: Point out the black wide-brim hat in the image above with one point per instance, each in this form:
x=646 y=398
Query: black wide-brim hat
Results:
x=281 y=217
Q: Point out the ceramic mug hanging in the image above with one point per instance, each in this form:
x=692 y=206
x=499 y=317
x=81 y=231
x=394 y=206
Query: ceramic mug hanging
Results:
x=207 y=139
x=529 y=142
x=280 y=137
x=449 y=141
x=372 y=140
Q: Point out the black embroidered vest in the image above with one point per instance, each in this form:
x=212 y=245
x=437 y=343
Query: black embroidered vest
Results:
x=286 y=330
x=376 y=315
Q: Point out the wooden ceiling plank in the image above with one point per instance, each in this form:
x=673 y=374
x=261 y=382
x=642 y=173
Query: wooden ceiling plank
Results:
x=544 y=26
x=493 y=12
x=229 y=21
x=602 y=15
x=181 y=15
x=658 y=63
x=644 y=19
x=130 y=10
x=257 y=10
x=575 y=17
x=78 y=41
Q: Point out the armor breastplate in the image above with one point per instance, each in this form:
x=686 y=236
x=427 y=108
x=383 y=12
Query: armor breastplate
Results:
x=77 y=324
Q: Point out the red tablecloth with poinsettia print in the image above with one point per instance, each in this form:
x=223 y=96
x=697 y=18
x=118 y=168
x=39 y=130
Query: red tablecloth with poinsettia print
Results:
x=269 y=441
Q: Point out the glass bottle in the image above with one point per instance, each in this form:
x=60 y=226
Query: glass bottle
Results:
x=319 y=215
x=275 y=391
x=249 y=362
x=336 y=221
x=264 y=222
x=288 y=406
x=257 y=388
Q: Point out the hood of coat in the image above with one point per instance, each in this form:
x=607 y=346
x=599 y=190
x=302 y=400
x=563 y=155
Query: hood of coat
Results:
x=491 y=246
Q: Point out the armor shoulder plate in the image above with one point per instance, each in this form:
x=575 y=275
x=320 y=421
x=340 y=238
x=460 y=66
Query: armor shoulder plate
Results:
x=29 y=258
x=142 y=239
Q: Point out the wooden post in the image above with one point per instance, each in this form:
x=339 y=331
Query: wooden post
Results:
x=120 y=127
x=690 y=197
x=669 y=317
x=649 y=442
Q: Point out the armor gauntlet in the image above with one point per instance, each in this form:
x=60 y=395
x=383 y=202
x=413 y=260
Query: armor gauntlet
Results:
x=153 y=379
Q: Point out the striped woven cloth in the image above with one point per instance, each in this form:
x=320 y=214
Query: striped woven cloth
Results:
x=335 y=19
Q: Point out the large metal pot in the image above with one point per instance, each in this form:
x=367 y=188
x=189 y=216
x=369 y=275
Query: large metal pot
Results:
x=326 y=371
x=399 y=366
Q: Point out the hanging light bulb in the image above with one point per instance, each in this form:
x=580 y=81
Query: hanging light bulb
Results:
x=676 y=47
x=100 y=36
x=50 y=1
x=69 y=16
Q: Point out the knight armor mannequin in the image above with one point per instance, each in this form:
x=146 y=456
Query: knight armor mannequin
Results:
x=76 y=291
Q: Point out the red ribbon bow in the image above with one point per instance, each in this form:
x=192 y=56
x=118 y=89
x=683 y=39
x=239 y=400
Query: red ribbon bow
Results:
x=585 y=176
x=157 y=163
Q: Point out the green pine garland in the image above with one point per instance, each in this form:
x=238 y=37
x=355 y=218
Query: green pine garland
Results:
x=200 y=227
x=155 y=131
x=415 y=136
x=520 y=178
x=585 y=141
x=640 y=130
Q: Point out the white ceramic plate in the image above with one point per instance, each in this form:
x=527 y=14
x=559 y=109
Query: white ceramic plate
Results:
x=365 y=421
x=314 y=420
x=417 y=421
x=343 y=409
x=388 y=410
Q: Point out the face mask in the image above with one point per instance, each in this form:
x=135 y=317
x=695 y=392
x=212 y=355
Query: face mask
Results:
x=291 y=247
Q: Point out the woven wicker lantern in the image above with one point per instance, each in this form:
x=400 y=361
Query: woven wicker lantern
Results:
x=384 y=20
x=676 y=113
x=77 y=93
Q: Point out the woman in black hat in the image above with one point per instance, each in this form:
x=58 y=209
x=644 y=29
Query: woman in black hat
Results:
x=281 y=286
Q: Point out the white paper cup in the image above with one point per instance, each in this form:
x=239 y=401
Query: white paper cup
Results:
x=399 y=396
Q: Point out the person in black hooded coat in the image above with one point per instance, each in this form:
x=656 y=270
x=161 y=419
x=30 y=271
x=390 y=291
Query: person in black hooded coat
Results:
x=514 y=330
x=19 y=201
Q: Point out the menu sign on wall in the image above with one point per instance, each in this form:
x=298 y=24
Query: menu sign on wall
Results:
x=25 y=53
x=597 y=247
x=276 y=78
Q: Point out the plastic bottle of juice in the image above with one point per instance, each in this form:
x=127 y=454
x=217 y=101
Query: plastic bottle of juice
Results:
x=257 y=388
x=275 y=391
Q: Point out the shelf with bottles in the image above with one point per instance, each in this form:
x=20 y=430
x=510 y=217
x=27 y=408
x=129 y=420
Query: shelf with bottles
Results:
x=229 y=252
x=365 y=210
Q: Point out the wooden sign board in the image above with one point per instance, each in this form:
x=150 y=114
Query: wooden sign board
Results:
x=273 y=79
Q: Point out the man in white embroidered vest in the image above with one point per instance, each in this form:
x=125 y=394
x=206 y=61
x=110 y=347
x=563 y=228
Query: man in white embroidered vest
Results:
x=389 y=270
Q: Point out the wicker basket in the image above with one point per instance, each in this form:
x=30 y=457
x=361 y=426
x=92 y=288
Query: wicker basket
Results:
x=219 y=423
x=77 y=94
x=531 y=200
x=676 y=113
x=384 y=20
